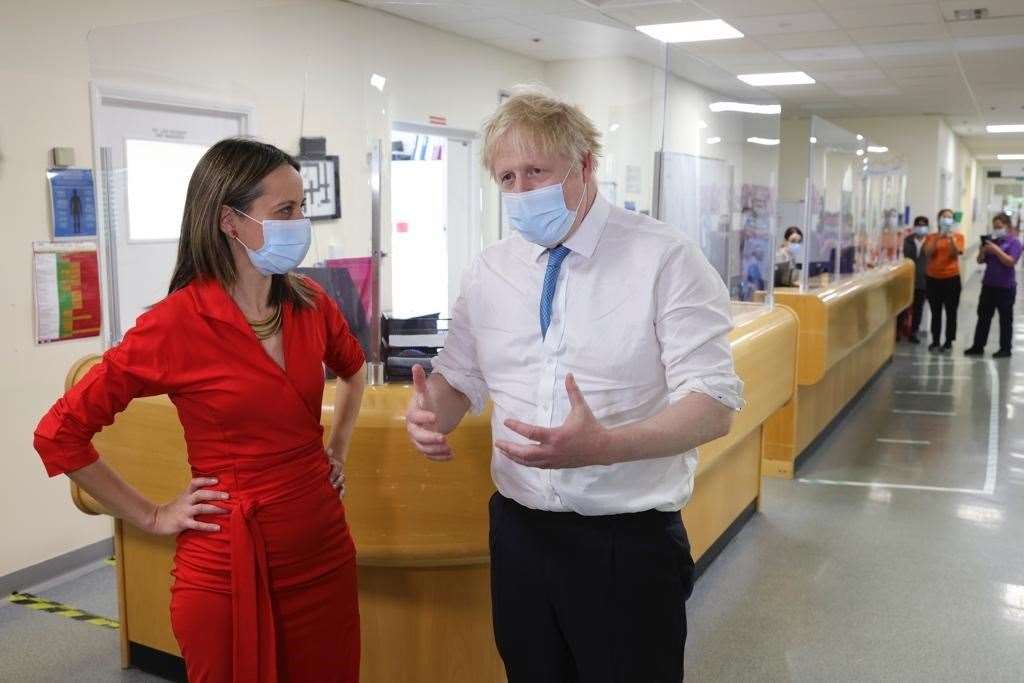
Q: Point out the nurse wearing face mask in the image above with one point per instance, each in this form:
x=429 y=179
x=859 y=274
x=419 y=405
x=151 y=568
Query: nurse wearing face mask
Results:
x=791 y=248
x=998 y=288
x=913 y=249
x=943 y=251
x=264 y=575
x=600 y=335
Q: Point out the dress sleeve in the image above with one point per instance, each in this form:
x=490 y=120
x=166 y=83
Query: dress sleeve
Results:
x=138 y=366
x=342 y=353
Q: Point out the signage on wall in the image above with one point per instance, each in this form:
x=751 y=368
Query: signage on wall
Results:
x=438 y=120
x=73 y=203
x=67 y=290
x=320 y=182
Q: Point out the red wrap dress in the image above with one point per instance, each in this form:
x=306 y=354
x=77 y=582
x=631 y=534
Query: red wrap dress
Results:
x=272 y=595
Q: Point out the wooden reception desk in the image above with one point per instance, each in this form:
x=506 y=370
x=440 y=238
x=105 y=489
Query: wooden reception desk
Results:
x=847 y=334
x=421 y=527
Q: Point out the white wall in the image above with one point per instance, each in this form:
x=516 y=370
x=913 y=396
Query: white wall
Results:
x=252 y=51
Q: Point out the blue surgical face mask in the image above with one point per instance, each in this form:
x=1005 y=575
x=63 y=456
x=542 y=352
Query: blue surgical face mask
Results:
x=541 y=215
x=795 y=249
x=998 y=233
x=921 y=230
x=285 y=244
x=945 y=223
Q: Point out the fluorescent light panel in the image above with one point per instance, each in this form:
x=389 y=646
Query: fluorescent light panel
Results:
x=763 y=141
x=877 y=149
x=1006 y=128
x=746 y=108
x=690 y=31
x=714 y=140
x=778 y=78
x=1010 y=157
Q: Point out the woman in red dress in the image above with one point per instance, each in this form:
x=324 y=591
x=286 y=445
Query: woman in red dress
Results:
x=264 y=575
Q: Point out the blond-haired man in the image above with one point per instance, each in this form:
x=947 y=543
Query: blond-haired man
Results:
x=600 y=337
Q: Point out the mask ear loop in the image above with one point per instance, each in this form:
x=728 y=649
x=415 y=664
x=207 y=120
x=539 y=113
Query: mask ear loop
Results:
x=235 y=236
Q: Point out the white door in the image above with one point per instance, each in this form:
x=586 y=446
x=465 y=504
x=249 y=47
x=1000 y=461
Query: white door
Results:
x=436 y=212
x=147 y=150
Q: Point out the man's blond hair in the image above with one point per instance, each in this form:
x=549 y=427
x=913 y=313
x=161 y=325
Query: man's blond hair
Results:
x=532 y=118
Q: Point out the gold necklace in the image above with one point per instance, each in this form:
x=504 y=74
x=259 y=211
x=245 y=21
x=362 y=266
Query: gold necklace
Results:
x=268 y=327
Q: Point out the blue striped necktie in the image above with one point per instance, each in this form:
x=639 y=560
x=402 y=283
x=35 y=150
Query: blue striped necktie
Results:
x=547 y=295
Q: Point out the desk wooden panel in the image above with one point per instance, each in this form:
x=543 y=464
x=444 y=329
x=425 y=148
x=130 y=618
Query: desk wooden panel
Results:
x=421 y=527
x=846 y=335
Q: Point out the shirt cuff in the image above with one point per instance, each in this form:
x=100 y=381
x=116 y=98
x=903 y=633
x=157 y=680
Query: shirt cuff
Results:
x=472 y=388
x=726 y=389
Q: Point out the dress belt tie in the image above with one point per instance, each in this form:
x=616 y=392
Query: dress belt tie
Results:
x=254 y=639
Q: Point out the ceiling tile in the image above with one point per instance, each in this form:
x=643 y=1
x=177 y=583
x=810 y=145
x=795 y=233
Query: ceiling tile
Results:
x=911 y=72
x=785 y=23
x=912 y=47
x=823 y=54
x=488 y=30
x=659 y=13
x=934 y=59
x=848 y=75
x=745 y=8
x=725 y=47
x=793 y=41
x=886 y=15
x=988 y=44
x=863 y=4
x=892 y=34
x=986 y=27
x=750 y=63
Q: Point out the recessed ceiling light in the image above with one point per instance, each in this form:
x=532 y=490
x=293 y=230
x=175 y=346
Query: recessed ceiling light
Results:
x=612 y=128
x=878 y=149
x=814 y=140
x=763 y=141
x=779 y=78
x=1006 y=128
x=746 y=108
x=378 y=81
x=690 y=31
x=714 y=140
x=1010 y=157
x=859 y=136
x=860 y=152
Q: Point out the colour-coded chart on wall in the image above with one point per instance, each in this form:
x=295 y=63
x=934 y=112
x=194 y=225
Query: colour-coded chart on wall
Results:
x=67 y=290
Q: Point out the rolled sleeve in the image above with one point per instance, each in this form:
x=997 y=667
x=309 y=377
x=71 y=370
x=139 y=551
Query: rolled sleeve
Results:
x=457 y=361
x=138 y=366
x=693 y=323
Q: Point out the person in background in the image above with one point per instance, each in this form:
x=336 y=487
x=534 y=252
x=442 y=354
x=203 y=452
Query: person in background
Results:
x=791 y=247
x=264 y=569
x=942 y=278
x=590 y=563
x=913 y=249
x=998 y=288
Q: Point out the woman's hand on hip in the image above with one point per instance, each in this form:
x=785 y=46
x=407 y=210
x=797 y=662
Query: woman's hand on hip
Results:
x=180 y=514
x=337 y=475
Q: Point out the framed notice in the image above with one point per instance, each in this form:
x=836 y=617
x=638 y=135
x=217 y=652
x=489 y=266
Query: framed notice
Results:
x=320 y=181
x=67 y=290
x=73 y=203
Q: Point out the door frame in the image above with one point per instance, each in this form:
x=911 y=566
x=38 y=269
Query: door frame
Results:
x=101 y=92
x=475 y=185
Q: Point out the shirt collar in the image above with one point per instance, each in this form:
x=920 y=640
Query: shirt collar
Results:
x=213 y=301
x=584 y=240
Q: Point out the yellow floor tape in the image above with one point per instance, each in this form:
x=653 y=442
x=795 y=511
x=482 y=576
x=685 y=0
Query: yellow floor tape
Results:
x=41 y=605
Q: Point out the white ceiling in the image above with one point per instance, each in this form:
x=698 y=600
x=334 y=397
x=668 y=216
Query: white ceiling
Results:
x=870 y=57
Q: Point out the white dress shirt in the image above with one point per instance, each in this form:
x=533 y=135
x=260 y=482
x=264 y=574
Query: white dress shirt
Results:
x=639 y=317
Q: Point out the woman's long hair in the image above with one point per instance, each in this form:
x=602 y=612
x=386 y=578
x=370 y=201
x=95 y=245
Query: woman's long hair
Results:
x=230 y=174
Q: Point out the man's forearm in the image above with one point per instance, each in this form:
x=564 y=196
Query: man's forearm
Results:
x=688 y=423
x=449 y=404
